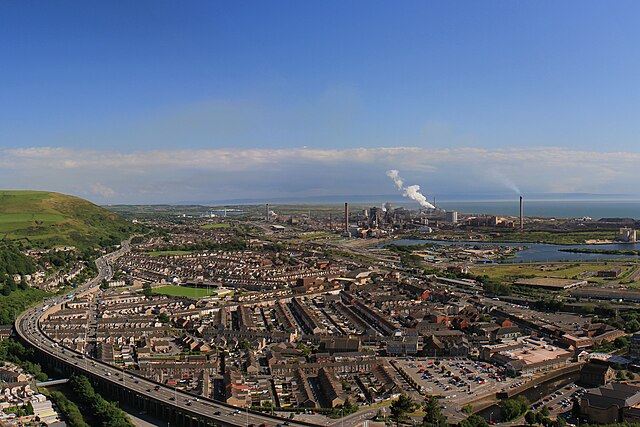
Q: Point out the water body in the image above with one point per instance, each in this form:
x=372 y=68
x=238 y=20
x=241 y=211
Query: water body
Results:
x=552 y=209
x=539 y=252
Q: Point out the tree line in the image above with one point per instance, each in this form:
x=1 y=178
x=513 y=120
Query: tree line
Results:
x=107 y=413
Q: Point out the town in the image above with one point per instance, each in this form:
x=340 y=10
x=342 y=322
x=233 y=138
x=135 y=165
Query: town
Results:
x=312 y=326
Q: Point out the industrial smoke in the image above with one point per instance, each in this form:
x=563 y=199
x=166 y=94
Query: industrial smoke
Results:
x=506 y=181
x=412 y=191
x=395 y=176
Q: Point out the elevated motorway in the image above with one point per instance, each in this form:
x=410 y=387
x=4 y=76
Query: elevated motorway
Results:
x=171 y=405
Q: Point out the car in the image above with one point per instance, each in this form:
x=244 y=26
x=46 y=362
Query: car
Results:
x=217 y=413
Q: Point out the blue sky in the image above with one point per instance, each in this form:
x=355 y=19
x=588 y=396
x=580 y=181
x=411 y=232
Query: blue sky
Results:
x=164 y=101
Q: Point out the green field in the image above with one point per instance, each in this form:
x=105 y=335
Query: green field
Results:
x=219 y=225
x=509 y=272
x=165 y=253
x=46 y=219
x=182 y=291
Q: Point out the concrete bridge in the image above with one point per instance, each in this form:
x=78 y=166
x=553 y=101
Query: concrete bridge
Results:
x=166 y=403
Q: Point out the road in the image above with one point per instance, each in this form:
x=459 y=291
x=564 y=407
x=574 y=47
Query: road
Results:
x=27 y=326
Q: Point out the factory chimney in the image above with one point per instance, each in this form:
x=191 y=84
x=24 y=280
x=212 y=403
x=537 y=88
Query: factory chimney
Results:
x=521 y=214
x=266 y=212
x=346 y=217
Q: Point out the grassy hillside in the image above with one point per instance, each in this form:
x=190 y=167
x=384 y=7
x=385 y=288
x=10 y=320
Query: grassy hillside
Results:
x=45 y=219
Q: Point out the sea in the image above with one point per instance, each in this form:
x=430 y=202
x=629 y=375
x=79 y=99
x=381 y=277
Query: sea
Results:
x=549 y=208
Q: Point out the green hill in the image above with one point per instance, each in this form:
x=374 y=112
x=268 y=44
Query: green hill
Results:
x=45 y=219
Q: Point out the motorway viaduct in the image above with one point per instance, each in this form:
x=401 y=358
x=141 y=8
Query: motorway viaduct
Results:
x=176 y=407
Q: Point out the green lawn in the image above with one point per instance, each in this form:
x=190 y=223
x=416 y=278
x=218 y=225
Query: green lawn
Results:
x=164 y=253
x=219 y=225
x=183 y=291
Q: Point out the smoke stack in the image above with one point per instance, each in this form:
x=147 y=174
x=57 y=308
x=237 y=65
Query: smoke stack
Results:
x=266 y=212
x=521 y=214
x=346 y=217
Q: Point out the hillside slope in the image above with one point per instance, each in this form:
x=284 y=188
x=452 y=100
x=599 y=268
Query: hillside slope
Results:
x=45 y=219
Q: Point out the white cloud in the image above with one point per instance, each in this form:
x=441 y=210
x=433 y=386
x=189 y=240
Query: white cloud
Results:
x=103 y=190
x=193 y=174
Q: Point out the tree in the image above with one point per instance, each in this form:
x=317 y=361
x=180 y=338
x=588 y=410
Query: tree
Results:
x=467 y=409
x=544 y=411
x=402 y=406
x=147 y=291
x=633 y=326
x=432 y=415
x=530 y=418
x=511 y=409
x=560 y=422
x=621 y=342
x=164 y=317
x=474 y=421
x=348 y=408
x=104 y=285
x=106 y=412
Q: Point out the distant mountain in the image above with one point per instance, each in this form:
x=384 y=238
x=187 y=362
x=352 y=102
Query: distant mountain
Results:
x=46 y=219
x=397 y=198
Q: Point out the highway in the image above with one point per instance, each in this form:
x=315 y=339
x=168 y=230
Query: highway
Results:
x=27 y=326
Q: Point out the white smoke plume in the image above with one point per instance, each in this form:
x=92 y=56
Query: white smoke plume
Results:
x=412 y=191
x=506 y=181
x=395 y=176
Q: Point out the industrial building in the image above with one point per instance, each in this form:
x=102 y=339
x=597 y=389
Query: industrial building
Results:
x=627 y=235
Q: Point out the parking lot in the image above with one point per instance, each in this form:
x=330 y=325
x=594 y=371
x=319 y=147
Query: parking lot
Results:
x=560 y=401
x=457 y=379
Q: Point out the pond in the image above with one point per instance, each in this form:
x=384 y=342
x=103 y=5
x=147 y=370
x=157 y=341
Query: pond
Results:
x=539 y=252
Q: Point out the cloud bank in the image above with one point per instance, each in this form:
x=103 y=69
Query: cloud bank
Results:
x=169 y=176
